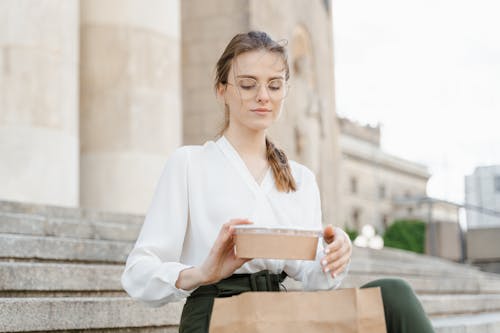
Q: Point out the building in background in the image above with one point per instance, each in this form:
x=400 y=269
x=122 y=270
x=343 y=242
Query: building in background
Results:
x=372 y=181
x=95 y=94
x=482 y=191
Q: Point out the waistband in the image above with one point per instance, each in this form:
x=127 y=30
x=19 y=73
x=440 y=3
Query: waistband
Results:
x=238 y=283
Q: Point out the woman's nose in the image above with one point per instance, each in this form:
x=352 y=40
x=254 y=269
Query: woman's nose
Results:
x=262 y=93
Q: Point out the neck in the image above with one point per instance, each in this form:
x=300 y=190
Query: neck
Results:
x=247 y=142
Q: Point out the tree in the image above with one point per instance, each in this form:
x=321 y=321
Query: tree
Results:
x=407 y=235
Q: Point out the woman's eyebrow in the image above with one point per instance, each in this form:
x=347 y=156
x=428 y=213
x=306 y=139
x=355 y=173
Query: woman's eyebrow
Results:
x=255 y=78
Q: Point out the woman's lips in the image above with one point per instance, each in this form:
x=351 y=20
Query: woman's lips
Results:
x=261 y=111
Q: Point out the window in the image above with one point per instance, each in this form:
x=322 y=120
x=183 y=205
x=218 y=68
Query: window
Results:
x=381 y=192
x=497 y=184
x=385 y=221
x=354 y=185
x=355 y=218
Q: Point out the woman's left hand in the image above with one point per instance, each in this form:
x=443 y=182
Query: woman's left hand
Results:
x=337 y=252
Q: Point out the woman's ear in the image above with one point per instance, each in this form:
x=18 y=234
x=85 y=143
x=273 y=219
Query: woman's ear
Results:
x=221 y=89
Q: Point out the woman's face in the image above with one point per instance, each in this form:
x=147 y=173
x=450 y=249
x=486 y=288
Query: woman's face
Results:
x=255 y=91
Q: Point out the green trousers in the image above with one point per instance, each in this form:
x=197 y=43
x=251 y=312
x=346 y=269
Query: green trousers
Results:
x=403 y=311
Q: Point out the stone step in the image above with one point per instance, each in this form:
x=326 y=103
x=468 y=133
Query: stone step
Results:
x=70 y=277
x=66 y=313
x=478 y=323
x=59 y=248
x=39 y=225
x=21 y=246
x=40 y=220
x=410 y=268
x=446 y=305
x=68 y=212
x=26 y=276
x=432 y=285
x=421 y=285
x=71 y=313
x=402 y=256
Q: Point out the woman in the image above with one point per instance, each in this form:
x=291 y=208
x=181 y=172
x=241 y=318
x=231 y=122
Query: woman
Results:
x=185 y=247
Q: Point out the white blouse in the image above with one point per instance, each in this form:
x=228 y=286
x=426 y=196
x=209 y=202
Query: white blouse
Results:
x=201 y=188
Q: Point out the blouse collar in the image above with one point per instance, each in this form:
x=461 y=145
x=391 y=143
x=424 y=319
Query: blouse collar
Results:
x=232 y=154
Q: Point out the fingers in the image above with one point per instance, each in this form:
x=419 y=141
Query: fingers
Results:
x=225 y=239
x=226 y=230
x=234 y=222
x=337 y=243
x=339 y=239
x=337 y=267
x=328 y=234
x=338 y=253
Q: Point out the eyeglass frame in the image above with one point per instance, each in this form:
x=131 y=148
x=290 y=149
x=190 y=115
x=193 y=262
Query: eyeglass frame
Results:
x=286 y=86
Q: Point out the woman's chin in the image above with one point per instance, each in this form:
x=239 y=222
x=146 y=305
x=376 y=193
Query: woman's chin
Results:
x=260 y=125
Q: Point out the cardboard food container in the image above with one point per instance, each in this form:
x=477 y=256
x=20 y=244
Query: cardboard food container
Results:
x=276 y=243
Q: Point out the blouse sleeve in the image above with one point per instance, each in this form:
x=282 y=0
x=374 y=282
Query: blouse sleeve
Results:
x=310 y=273
x=153 y=266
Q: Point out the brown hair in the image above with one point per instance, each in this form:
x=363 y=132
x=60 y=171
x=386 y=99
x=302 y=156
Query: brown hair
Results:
x=251 y=41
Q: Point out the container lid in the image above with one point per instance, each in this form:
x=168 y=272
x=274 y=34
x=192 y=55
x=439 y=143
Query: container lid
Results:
x=250 y=229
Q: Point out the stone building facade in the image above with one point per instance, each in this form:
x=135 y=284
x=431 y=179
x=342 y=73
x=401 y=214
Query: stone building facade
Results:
x=373 y=181
x=95 y=94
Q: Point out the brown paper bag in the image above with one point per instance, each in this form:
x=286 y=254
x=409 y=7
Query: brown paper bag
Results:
x=337 y=311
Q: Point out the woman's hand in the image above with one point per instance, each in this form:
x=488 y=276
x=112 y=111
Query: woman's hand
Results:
x=338 y=251
x=220 y=263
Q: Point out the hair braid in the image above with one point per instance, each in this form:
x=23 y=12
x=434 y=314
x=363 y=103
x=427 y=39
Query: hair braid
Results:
x=280 y=167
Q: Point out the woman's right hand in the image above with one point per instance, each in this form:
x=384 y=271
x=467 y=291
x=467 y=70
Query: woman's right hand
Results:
x=220 y=263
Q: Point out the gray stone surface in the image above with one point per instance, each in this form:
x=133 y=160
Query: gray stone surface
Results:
x=402 y=257
x=106 y=312
x=438 y=305
x=68 y=212
x=25 y=276
x=61 y=271
x=75 y=277
x=15 y=223
x=52 y=248
x=478 y=323
x=386 y=265
x=431 y=285
x=46 y=314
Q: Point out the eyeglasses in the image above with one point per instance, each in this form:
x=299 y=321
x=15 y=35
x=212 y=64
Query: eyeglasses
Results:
x=248 y=88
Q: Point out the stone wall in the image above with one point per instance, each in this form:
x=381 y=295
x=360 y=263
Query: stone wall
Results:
x=130 y=110
x=110 y=94
x=39 y=143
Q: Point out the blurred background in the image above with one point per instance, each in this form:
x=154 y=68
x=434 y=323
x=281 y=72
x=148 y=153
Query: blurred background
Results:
x=394 y=105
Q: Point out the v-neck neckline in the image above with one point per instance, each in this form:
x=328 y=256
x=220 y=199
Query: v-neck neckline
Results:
x=233 y=155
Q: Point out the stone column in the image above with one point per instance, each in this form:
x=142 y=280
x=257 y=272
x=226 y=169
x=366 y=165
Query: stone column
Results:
x=129 y=99
x=207 y=26
x=38 y=101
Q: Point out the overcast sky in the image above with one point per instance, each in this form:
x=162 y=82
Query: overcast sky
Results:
x=429 y=72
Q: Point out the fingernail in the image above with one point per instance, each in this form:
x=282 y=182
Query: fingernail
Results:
x=326 y=270
x=334 y=275
x=327 y=250
x=324 y=262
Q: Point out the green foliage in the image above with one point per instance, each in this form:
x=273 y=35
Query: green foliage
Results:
x=353 y=233
x=407 y=235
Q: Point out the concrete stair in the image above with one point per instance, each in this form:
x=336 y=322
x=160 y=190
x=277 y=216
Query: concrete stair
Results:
x=60 y=270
